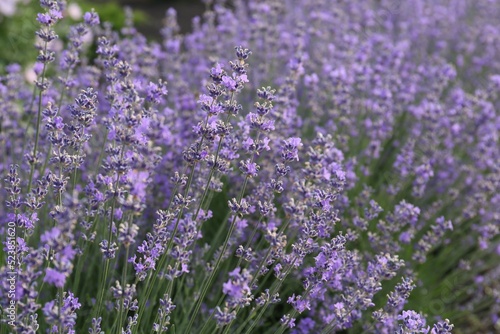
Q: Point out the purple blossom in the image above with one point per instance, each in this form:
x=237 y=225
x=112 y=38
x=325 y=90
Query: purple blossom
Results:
x=442 y=327
x=298 y=303
x=50 y=17
x=91 y=18
x=291 y=148
x=360 y=148
x=412 y=322
x=45 y=19
x=65 y=317
x=229 y=83
x=155 y=92
x=217 y=73
x=237 y=285
x=249 y=168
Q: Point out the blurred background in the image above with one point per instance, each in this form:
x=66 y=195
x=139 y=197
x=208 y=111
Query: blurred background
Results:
x=152 y=12
x=18 y=24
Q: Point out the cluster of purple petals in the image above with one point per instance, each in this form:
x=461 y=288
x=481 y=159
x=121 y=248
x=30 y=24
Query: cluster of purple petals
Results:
x=292 y=166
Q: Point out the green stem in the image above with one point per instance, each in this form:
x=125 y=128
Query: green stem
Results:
x=218 y=261
x=261 y=265
x=38 y=119
x=205 y=192
x=103 y=284
x=294 y=313
x=30 y=117
x=61 y=327
x=207 y=322
x=163 y=258
x=84 y=254
x=121 y=312
x=276 y=286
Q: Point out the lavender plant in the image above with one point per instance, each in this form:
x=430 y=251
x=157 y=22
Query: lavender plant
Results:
x=289 y=166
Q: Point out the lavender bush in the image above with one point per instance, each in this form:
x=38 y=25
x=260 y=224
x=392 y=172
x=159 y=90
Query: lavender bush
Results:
x=289 y=166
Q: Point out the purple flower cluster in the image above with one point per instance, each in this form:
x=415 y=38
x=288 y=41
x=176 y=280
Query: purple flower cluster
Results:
x=288 y=166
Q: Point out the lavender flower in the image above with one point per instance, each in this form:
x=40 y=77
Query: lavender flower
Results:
x=306 y=186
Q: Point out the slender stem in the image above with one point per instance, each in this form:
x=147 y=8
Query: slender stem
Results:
x=171 y=240
x=263 y=261
x=98 y=162
x=163 y=259
x=102 y=288
x=294 y=313
x=121 y=312
x=103 y=284
x=261 y=265
x=240 y=196
x=330 y=327
x=208 y=282
x=30 y=117
x=217 y=238
x=81 y=261
x=212 y=171
x=38 y=118
x=276 y=286
x=61 y=326
x=207 y=322
x=49 y=151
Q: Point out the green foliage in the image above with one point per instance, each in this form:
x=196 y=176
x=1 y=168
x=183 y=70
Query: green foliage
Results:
x=17 y=33
x=112 y=12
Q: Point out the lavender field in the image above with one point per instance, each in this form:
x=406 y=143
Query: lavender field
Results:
x=286 y=166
